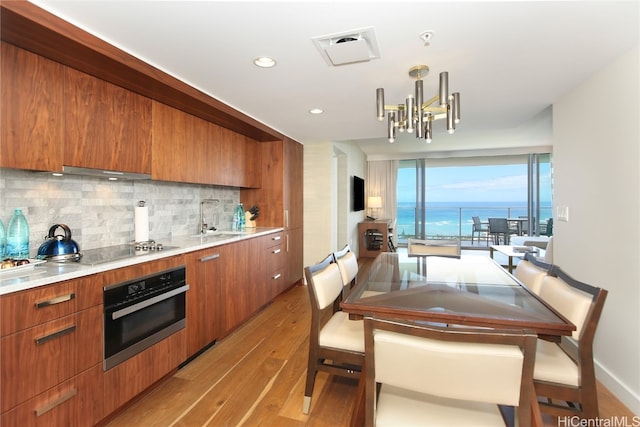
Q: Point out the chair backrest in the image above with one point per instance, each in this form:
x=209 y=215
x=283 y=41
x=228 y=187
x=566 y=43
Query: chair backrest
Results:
x=325 y=283
x=482 y=365
x=531 y=271
x=449 y=248
x=348 y=265
x=498 y=225
x=579 y=302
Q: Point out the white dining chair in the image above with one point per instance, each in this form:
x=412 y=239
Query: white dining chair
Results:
x=336 y=343
x=418 y=375
x=564 y=374
x=530 y=271
x=348 y=265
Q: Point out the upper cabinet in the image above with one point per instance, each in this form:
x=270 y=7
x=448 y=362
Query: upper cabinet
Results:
x=54 y=115
x=189 y=149
x=293 y=183
x=31 y=102
x=106 y=126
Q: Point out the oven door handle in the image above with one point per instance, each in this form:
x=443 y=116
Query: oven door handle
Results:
x=146 y=303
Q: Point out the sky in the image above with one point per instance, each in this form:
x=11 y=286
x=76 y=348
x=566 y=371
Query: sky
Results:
x=496 y=183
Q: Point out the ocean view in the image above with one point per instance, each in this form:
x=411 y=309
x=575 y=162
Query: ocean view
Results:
x=454 y=218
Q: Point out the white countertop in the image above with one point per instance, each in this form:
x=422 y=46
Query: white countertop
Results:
x=53 y=272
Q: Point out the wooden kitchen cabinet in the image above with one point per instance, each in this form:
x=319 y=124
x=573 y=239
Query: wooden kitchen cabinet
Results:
x=189 y=149
x=130 y=378
x=274 y=255
x=293 y=183
x=31 y=102
x=205 y=307
x=280 y=199
x=239 y=287
x=293 y=193
x=50 y=336
x=106 y=127
x=72 y=403
x=181 y=148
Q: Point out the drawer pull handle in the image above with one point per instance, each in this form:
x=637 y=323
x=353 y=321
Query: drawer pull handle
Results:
x=54 y=335
x=56 y=300
x=209 y=258
x=277 y=251
x=276 y=238
x=277 y=276
x=59 y=401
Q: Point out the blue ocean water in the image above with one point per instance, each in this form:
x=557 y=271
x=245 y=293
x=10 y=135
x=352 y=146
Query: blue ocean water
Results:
x=454 y=218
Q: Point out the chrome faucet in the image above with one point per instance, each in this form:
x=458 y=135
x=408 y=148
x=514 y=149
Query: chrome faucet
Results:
x=203 y=225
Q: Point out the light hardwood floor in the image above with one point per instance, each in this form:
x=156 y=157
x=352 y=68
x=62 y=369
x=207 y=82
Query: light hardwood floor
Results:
x=255 y=377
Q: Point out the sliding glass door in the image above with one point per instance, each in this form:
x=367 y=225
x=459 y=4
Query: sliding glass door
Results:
x=437 y=198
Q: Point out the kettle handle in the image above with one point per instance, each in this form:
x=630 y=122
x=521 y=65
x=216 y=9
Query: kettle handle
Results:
x=65 y=228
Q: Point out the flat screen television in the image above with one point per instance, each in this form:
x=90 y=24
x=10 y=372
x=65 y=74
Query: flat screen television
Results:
x=358 y=194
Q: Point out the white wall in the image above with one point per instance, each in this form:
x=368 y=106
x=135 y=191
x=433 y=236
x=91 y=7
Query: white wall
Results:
x=596 y=159
x=321 y=198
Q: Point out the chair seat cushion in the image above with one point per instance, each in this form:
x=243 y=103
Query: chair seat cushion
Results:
x=553 y=364
x=343 y=333
x=401 y=407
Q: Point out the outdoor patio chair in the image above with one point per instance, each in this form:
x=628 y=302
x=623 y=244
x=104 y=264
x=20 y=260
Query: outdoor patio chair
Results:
x=481 y=228
x=499 y=227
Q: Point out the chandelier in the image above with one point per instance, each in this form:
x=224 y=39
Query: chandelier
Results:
x=417 y=114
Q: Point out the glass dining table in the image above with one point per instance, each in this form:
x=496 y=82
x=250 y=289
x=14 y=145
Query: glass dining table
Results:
x=471 y=290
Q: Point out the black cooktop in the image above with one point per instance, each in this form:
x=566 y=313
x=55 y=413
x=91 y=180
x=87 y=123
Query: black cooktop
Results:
x=118 y=252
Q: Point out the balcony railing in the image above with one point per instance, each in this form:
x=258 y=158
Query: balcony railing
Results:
x=442 y=222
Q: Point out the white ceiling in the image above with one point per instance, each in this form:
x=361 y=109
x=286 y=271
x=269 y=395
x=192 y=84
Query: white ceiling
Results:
x=509 y=60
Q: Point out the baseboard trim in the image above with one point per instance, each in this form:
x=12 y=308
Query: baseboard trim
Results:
x=622 y=392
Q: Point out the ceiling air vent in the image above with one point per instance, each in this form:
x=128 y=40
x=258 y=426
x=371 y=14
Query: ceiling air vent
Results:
x=348 y=47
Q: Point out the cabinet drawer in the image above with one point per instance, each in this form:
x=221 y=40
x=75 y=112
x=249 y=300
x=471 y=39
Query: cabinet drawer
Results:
x=41 y=357
x=273 y=239
x=275 y=257
x=24 y=309
x=77 y=402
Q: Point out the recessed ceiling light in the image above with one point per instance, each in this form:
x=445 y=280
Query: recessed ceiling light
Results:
x=316 y=111
x=264 y=62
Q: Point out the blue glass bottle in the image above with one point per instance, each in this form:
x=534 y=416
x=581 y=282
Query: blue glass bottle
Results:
x=241 y=217
x=18 y=236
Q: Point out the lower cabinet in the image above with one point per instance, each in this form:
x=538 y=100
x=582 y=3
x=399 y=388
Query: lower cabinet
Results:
x=274 y=273
x=50 y=355
x=51 y=345
x=75 y=402
x=125 y=381
x=205 y=307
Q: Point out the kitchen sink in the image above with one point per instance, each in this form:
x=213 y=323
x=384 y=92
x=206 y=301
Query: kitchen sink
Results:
x=219 y=233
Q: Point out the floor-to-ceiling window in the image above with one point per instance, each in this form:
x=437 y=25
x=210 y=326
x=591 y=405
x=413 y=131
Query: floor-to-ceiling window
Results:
x=437 y=198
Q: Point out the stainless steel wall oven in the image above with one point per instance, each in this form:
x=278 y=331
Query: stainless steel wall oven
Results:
x=141 y=312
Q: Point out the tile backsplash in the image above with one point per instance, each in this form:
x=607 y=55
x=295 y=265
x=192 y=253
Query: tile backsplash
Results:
x=101 y=213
